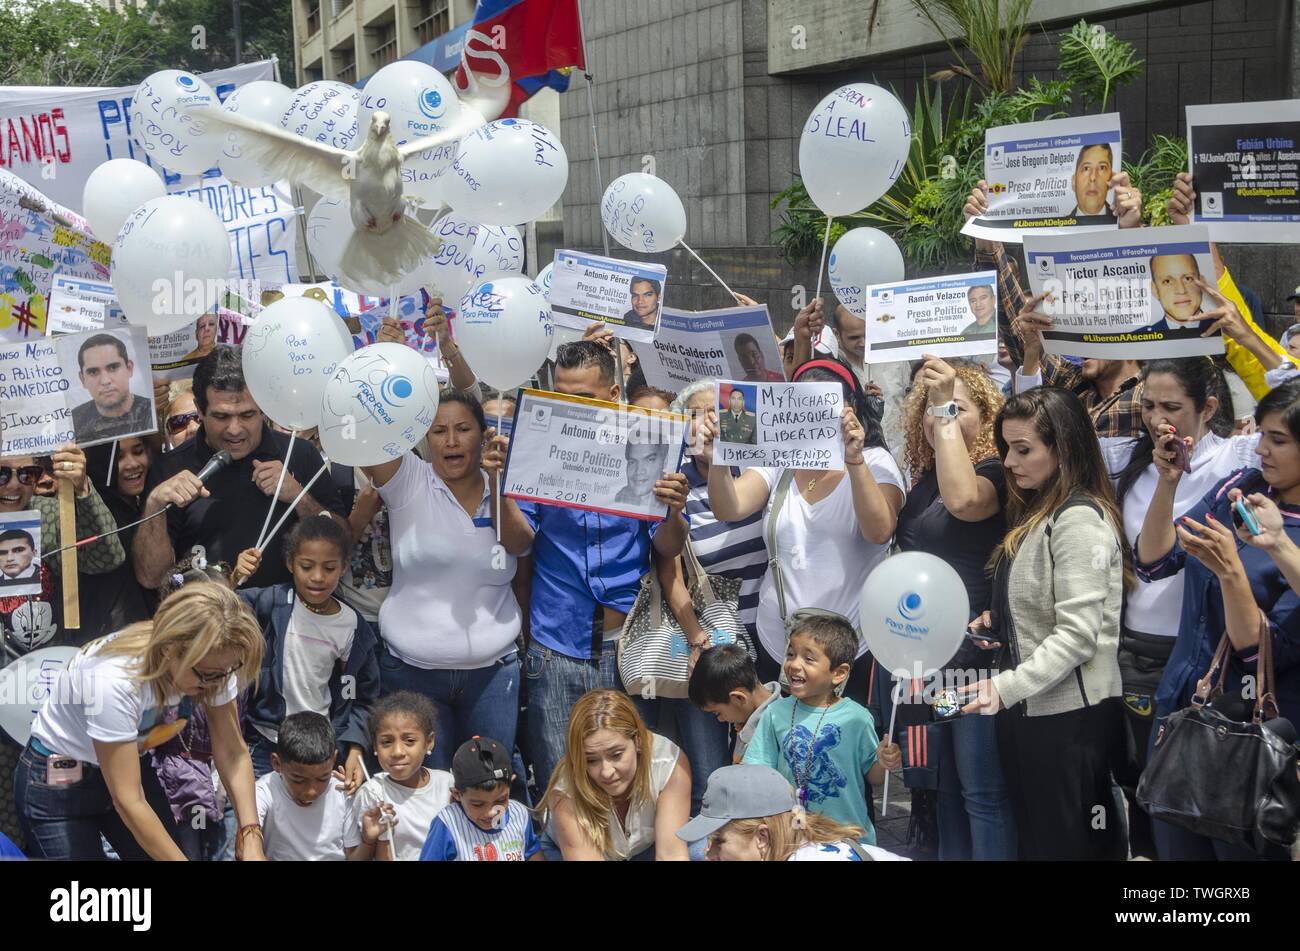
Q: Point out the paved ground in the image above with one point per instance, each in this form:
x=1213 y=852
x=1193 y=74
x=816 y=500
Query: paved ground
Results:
x=891 y=828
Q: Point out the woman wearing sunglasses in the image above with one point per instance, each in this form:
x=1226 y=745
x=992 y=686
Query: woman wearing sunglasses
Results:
x=80 y=776
x=181 y=420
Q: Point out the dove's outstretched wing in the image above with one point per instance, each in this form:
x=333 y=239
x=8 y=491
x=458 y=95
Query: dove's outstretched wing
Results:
x=322 y=168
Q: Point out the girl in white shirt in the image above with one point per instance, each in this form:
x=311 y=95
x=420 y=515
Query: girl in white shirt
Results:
x=80 y=776
x=1179 y=400
x=620 y=792
x=832 y=528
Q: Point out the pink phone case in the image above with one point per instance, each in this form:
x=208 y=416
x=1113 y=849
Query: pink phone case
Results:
x=62 y=771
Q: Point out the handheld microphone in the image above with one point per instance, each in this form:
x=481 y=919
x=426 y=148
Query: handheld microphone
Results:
x=214 y=465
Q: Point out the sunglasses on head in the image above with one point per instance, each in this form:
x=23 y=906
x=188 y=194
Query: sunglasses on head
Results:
x=177 y=423
x=27 y=475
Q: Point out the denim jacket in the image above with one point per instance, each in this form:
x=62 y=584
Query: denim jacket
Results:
x=350 y=715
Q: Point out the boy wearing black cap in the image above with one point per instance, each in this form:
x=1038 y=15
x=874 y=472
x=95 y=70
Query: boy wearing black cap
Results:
x=482 y=823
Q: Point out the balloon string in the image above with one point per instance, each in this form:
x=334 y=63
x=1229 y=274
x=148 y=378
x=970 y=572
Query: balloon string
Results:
x=709 y=269
x=497 y=487
x=283 y=518
x=392 y=302
x=261 y=536
x=896 y=694
x=826 y=241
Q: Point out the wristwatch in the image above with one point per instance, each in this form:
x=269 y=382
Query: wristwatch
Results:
x=946 y=410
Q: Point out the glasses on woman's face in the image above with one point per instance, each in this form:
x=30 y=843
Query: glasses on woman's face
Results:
x=177 y=423
x=208 y=679
x=27 y=475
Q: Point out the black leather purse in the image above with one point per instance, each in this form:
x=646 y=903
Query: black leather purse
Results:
x=1223 y=778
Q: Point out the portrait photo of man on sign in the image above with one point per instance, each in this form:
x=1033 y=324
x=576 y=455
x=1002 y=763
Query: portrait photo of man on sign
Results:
x=736 y=419
x=1091 y=181
x=1174 y=281
x=983 y=304
x=644 y=293
x=106 y=370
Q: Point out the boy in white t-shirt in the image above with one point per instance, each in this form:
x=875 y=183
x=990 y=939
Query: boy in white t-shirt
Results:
x=301 y=805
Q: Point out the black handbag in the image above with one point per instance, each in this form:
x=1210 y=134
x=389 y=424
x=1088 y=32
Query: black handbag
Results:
x=1223 y=778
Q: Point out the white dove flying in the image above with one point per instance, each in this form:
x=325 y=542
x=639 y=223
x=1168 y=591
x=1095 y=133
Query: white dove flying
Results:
x=387 y=243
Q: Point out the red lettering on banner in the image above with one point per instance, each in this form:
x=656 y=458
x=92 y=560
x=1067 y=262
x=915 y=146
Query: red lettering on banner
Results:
x=34 y=139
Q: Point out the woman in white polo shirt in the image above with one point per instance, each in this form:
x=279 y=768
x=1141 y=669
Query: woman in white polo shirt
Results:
x=80 y=776
x=450 y=621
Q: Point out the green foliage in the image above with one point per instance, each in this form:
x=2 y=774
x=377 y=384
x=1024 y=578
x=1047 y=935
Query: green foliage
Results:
x=1153 y=175
x=994 y=31
x=1096 y=63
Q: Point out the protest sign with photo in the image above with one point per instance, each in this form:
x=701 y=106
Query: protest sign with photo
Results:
x=589 y=454
x=953 y=316
x=1245 y=162
x=85 y=388
x=783 y=425
x=1049 y=177
x=1131 y=295
x=20 y=553
x=78 y=304
x=626 y=295
x=694 y=345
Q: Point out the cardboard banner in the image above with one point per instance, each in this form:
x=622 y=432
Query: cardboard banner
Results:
x=782 y=425
x=735 y=342
x=55 y=137
x=589 y=454
x=1049 y=177
x=953 y=316
x=1245 y=162
x=85 y=388
x=626 y=295
x=1125 y=296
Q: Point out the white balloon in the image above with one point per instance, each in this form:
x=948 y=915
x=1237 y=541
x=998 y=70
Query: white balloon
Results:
x=544 y=279
x=114 y=190
x=508 y=172
x=380 y=402
x=504 y=326
x=324 y=111
x=861 y=258
x=28 y=681
x=289 y=354
x=170 y=263
x=643 y=213
x=853 y=147
x=329 y=229
x=913 y=613
x=167 y=124
x=471 y=253
x=419 y=102
x=264 y=100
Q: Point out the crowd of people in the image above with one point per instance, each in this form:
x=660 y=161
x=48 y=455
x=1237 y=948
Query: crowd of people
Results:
x=416 y=668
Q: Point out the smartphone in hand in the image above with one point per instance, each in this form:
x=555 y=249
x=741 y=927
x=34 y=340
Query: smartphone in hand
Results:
x=1243 y=513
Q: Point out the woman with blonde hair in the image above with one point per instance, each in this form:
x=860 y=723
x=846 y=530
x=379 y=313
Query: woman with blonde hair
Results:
x=80 y=776
x=620 y=792
x=751 y=814
x=954 y=511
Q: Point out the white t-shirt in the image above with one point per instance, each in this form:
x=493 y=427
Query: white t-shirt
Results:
x=1155 y=607
x=313 y=644
x=637 y=832
x=294 y=833
x=96 y=698
x=448 y=609
x=415 y=810
x=840 y=852
x=824 y=558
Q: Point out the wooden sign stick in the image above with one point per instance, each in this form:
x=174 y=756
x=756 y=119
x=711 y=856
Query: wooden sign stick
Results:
x=68 y=557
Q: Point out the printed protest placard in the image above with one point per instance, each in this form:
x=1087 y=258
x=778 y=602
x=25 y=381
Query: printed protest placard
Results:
x=588 y=454
x=732 y=342
x=1049 y=177
x=626 y=295
x=1245 y=162
x=953 y=316
x=85 y=388
x=1131 y=295
x=20 y=553
x=77 y=305
x=783 y=425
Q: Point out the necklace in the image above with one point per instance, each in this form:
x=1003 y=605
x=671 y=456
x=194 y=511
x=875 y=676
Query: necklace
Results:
x=313 y=610
x=812 y=484
x=801 y=782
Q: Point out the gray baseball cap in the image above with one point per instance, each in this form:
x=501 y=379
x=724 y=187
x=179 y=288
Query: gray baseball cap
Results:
x=746 y=791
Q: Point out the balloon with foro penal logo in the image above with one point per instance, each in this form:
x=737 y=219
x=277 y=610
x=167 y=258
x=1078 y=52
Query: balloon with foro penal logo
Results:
x=166 y=114
x=470 y=254
x=504 y=329
x=170 y=263
x=264 y=100
x=913 y=613
x=290 y=352
x=508 y=172
x=380 y=402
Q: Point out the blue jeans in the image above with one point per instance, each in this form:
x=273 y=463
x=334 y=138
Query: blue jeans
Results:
x=64 y=823
x=701 y=736
x=975 y=818
x=481 y=702
x=555 y=684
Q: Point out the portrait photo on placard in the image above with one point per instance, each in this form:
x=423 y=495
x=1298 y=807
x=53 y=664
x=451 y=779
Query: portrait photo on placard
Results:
x=755 y=354
x=109 y=391
x=20 y=553
x=737 y=409
x=644 y=293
